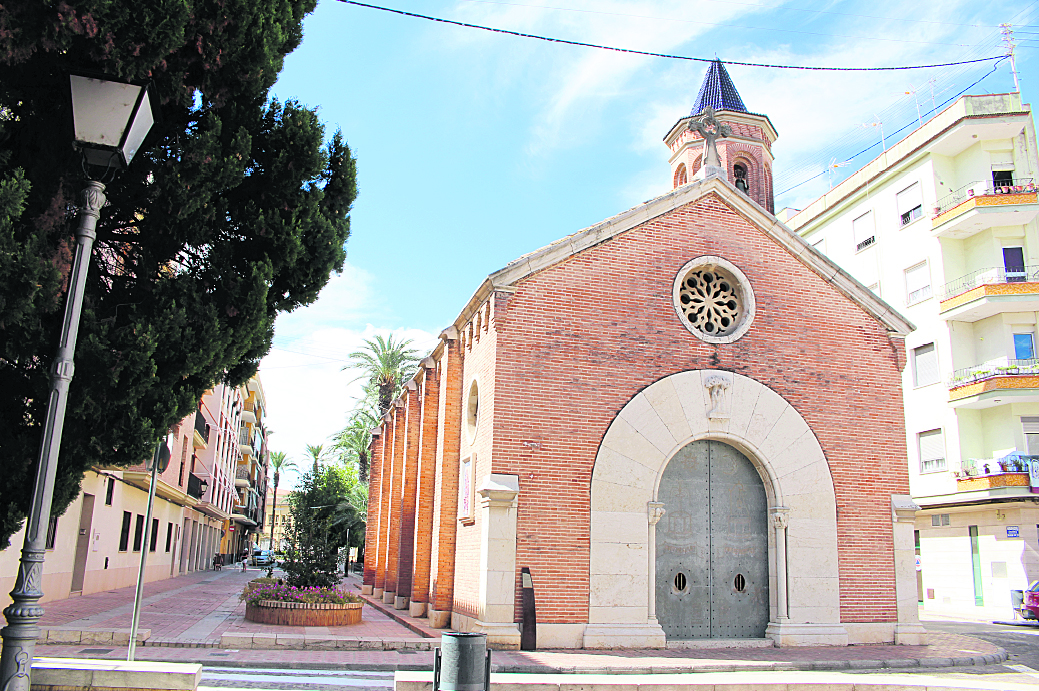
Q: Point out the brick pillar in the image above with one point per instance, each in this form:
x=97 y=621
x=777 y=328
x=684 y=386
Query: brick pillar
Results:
x=371 y=535
x=386 y=472
x=409 y=477
x=396 y=494
x=445 y=500
x=427 y=451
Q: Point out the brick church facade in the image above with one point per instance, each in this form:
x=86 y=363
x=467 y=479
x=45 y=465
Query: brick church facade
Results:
x=684 y=421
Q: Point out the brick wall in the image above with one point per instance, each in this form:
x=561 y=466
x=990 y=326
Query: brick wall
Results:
x=578 y=340
x=445 y=491
x=372 y=533
x=429 y=389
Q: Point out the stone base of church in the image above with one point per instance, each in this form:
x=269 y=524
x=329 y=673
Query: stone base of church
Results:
x=788 y=634
x=709 y=171
x=401 y=601
x=388 y=596
x=367 y=590
x=500 y=635
x=377 y=593
x=910 y=634
x=417 y=609
x=624 y=636
x=438 y=619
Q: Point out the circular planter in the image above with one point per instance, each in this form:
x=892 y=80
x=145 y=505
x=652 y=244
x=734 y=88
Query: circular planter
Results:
x=252 y=585
x=303 y=614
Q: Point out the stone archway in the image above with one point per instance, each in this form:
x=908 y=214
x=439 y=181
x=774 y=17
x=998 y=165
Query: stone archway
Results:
x=804 y=586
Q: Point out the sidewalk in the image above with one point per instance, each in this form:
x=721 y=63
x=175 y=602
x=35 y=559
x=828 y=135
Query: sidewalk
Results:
x=198 y=618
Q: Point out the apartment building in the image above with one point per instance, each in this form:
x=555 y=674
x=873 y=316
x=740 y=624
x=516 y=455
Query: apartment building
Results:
x=943 y=227
x=96 y=545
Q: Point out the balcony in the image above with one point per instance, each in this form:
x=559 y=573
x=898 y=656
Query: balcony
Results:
x=245 y=442
x=995 y=473
x=243 y=477
x=990 y=291
x=983 y=204
x=985 y=386
x=201 y=435
x=196 y=486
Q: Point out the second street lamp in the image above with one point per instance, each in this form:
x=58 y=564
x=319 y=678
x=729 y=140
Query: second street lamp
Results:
x=110 y=121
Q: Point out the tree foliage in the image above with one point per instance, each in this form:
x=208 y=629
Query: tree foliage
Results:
x=385 y=365
x=234 y=210
x=323 y=520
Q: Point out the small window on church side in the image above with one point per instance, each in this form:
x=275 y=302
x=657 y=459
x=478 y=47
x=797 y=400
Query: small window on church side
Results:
x=739 y=178
x=681 y=176
x=714 y=300
x=472 y=411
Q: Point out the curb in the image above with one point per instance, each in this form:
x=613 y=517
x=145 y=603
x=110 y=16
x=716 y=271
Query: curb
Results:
x=392 y=614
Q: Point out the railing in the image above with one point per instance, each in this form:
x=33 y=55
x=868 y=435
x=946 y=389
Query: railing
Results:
x=1011 y=463
x=989 y=276
x=242 y=473
x=865 y=243
x=243 y=437
x=201 y=426
x=981 y=188
x=911 y=215
x=969 y=375
x=195 y=486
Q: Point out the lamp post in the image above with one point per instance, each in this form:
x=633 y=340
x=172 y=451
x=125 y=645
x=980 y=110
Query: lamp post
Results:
x=111 y=120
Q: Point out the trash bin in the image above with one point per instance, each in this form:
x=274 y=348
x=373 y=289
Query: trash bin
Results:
x=462 y=663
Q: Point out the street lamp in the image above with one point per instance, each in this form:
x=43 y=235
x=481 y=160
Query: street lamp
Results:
x=111 y=120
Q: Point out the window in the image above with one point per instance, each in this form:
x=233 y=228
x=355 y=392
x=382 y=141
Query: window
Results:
x=681 y=177
x=918 y=283
x=939 y=519
x=1024 y=347
x=109 y=491
x=910 y=204
x=124 y=534
x=1031 y=430
x=138 y=533
x=52 y=532
x=932 y=451
x=925 y=365
x=1002 y=178
x=1014 y=264
x=169 y=535
x=864 y=231
x=155 y=535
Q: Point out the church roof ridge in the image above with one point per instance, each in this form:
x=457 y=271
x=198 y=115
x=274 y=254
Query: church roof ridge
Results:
x=533 y=262
x=718 y=91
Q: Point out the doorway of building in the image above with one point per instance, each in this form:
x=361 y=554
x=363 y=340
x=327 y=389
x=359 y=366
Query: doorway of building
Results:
x=86 y=519
x=712 y=545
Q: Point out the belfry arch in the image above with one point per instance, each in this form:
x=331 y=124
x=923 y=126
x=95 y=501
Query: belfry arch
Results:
x=659 y=421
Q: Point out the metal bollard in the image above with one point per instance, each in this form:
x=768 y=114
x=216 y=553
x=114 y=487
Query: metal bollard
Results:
x=462 y=663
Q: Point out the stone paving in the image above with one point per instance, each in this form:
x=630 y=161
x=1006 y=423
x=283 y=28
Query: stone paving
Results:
x=198 y=618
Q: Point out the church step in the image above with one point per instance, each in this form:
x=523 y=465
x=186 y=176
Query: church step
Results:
x=721 y=643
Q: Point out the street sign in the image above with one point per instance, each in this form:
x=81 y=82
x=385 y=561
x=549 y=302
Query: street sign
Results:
x=1012 y=531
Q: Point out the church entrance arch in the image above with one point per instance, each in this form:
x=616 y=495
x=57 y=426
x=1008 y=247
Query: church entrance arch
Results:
x=712 y=545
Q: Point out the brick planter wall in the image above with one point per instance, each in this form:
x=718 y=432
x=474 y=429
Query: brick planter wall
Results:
x=303 y=614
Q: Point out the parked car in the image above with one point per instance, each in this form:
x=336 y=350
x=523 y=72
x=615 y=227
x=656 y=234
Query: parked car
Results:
x=1029 y=607
x=263 y=557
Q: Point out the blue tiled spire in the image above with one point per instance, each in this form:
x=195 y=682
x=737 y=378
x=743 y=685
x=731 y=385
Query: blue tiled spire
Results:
x=718 y=91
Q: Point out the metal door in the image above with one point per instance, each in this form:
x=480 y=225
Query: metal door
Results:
x=712 y=545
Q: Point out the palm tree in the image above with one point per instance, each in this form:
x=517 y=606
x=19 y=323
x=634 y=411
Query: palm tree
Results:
x=279 y=461
x=351 y=443
x=317 y=453
x=387 y=364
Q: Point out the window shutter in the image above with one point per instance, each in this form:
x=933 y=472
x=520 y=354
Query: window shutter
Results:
x=909 y=198
x=917 y=277
x=1030 y=424
x=863 y=228
x=925 y=359
x=932 y=446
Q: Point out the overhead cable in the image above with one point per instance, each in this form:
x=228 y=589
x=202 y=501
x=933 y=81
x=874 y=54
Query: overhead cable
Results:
x=661 y=55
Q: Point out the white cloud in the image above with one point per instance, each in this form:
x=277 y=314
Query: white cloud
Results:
x=309 y=396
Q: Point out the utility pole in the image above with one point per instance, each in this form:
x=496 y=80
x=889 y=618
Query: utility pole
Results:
x=1008 y=44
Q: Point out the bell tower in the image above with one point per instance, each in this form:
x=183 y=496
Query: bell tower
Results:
x=744 y=140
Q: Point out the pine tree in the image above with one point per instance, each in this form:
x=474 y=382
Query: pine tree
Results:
x=234 y=210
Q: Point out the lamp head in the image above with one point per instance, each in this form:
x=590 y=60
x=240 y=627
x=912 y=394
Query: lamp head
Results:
x=111 y=118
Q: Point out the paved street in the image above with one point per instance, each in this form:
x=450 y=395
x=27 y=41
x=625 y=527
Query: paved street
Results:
x=311 y=680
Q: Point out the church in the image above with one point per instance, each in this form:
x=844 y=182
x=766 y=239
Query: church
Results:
x=681 y=423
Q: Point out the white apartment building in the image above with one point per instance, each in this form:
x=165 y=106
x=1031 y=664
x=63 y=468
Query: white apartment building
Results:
x=943 y=227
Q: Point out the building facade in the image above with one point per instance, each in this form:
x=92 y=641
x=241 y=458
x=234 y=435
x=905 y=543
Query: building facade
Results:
x=649 y=425
x=942 y=225
x=96 y=545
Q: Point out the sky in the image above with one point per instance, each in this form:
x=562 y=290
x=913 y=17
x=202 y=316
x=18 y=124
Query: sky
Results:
x=474 y=148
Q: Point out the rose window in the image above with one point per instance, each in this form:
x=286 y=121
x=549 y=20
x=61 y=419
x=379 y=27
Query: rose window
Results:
x=710 y=302
x=713 y=299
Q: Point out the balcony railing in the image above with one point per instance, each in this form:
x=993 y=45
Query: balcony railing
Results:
x=201 y=426
x=195 y=486
x=969 y=375
x=242 y=473
x=1011 y=463
x=981 y=188
x=989 y=276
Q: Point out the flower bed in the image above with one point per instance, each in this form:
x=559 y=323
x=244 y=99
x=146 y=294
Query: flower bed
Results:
x=285 y=605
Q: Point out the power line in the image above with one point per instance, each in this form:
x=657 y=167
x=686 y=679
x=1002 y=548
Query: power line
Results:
x=660 y=55
x=741 y=4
